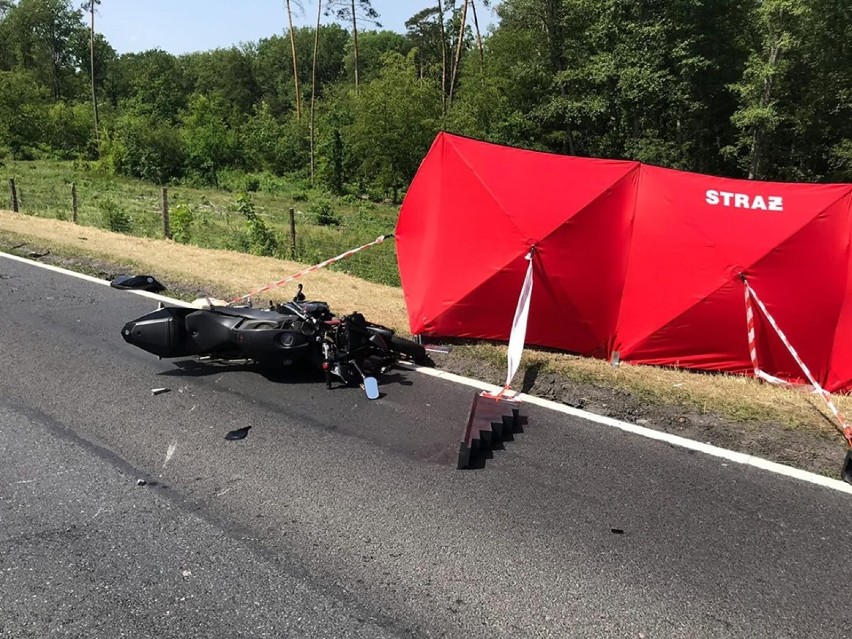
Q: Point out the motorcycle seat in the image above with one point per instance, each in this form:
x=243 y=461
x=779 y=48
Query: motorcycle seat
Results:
x=251 y=313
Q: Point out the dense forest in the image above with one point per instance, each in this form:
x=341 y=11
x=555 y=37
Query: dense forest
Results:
x=747 y=88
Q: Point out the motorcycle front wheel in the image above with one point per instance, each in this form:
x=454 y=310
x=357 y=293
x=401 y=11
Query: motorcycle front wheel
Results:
x=411 y=350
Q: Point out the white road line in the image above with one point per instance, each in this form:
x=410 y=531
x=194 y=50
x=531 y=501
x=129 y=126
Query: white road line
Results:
x=95 y=280
x=675 y=440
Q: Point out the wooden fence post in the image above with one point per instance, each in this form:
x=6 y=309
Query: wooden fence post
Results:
x=167 y=233
x=14 y=194
x=73 y=202
x=292 y=233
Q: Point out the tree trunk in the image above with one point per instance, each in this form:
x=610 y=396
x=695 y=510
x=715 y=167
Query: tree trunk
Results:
x=92 y=67
x=355 y=42
x=478 y=34
x=443 y=59
x=295 y=65
x=55 y=72
x=458 y=51
x=314 y=89
x=756 y=151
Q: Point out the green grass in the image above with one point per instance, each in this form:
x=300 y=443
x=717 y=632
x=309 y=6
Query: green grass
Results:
x=44 y=190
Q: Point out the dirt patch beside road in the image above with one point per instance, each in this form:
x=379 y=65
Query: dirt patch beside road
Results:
x=817 y=448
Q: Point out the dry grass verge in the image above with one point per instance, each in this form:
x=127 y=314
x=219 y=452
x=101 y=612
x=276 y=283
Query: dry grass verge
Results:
x=225 y=274
x=738 y=400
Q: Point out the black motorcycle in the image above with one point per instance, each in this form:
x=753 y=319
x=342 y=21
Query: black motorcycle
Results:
x=298 y=332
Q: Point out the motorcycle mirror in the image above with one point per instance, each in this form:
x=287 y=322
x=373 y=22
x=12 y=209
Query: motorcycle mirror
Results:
x=371 y=386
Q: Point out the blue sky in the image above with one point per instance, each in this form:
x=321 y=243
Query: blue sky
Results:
x=181 y=26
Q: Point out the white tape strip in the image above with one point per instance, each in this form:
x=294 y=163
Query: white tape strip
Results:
x=310 y=269
x=518 y=334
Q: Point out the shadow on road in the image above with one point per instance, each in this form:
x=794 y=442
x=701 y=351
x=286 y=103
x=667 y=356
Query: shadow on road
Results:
x=293 y=375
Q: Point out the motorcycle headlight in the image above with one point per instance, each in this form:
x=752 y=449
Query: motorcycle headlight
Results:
x=288 y=339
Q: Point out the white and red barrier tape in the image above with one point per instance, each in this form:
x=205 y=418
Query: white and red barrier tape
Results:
x=750 y=295
x=518 y=333
x=310 y=269
x=752 y=343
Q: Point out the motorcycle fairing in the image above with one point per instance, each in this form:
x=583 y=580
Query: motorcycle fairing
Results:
x=160 y=332
x=265 y=336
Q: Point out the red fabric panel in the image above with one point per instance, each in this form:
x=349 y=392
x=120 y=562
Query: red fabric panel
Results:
x=451 y=236
x=585 y=262
x=678 y=307
x=638 y=259
x=474 y=209
x=802 y=282
x=538 y=191
x=578 y=276
x=688 y=341
x=840 y=369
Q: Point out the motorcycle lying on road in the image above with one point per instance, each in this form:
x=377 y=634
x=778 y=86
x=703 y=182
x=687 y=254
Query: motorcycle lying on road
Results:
x=298 y=332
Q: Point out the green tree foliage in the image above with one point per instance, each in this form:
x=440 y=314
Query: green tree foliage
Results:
x=156 y=83
x=105 y=58
x=275 y=80
x=23 y=112
x=355 y=12
x=617 y=78
x=395 y=120
x=766 y=78
x=208 y=143
x=759 y=88
x=795 y=94
x=333 y=40
x=275 y=144
x=37 y=34
x=114 y=217
x=373 y=46
x=334 y=173
x=261 y=239
x=69 y=129
x=423 y=32
x=142 y=145
x=481 y=105
x=224 y=75
x=181 y=218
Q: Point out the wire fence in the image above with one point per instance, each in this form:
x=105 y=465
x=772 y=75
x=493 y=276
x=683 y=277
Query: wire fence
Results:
x=306 y=231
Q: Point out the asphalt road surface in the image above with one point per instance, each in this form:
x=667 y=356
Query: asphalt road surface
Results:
x=339 y=517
